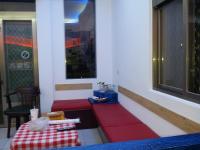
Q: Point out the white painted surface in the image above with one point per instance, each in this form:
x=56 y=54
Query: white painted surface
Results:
x=50 y=17
x=74 y=94
x=103 y=49
x=45 y=54
x=124 y=33
x=156 y=123
x=132 y=47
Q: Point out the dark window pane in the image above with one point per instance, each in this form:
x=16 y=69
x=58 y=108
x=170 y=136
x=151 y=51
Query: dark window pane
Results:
x=18 y=44
x=13 y=5
x=176 y=45
x=194 y=46
x=80 y=38
x=172 y=52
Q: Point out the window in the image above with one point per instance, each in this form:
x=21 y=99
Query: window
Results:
x=177 y=47
x=80 y=39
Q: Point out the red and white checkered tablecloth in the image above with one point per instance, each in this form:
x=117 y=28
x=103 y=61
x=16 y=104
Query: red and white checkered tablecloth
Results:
x=50 y=138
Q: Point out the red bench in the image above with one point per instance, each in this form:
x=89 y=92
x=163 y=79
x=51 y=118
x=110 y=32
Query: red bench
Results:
x=120 y=125
x=79 y=108
x=116 y=122
x=63 y=105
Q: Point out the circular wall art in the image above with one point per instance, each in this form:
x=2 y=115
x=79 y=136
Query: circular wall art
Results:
x=25 y=55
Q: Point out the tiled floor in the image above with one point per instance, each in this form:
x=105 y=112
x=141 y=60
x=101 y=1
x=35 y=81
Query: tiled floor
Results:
x=87 y=137
x=4 y=142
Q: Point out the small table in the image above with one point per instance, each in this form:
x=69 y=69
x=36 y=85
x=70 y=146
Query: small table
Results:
x=25 y=139
x=77 y=108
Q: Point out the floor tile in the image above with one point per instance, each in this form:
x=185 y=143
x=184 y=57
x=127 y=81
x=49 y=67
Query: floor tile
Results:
x=90 y=137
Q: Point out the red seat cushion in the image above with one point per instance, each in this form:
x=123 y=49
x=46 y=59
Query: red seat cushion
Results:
x=63 y=105
x=129 y=132
x=113 y=115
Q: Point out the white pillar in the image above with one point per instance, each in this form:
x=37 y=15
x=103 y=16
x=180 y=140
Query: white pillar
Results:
x=45 y=54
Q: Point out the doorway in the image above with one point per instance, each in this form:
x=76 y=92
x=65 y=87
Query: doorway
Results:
x=18 y=54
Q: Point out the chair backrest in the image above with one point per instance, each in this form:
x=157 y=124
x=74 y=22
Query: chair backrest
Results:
x=28 y=95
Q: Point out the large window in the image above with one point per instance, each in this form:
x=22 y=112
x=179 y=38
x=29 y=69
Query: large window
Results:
x=80 y=39
x=177 y=47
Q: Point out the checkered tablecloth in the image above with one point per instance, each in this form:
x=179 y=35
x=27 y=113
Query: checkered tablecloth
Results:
x=50 y=138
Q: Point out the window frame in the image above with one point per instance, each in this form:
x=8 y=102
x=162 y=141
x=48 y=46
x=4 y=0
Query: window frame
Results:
x=156 y=60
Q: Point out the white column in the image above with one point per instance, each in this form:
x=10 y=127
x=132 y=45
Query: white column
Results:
x=45 y=54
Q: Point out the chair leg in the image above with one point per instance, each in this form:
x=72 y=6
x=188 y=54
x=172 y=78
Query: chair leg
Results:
x=26 y=119
x=17 y=122
x=9 y=126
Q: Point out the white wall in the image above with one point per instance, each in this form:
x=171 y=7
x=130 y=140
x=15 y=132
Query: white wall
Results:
x=123 y=42
x=50 y=17
x=104 y=50
x=45 y=53
x=132 y=49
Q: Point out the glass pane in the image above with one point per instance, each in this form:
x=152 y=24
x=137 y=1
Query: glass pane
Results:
x=18 y=47
x=1 y=102
x=194 y=46
x=16 y=5
x=172 y=52
x=80 y=38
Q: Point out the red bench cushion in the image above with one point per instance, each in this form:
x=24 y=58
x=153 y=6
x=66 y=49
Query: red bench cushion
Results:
x=113 y=115
x=63 y=105
x=129 y=132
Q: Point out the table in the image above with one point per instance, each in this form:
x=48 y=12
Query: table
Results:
x=77 y=108
x=25 y=139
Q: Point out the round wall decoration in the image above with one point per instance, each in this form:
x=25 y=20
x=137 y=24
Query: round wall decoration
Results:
x=25 y=55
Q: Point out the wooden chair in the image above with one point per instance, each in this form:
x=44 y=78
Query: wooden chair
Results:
x=27 y=100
